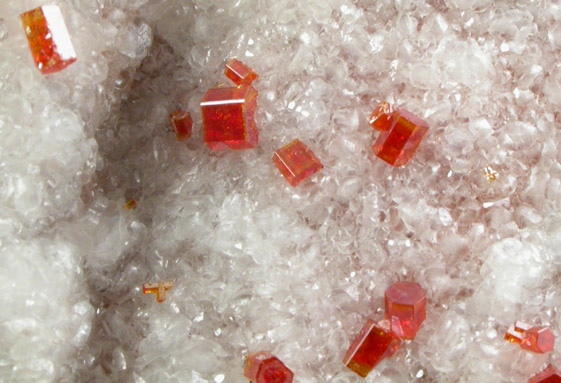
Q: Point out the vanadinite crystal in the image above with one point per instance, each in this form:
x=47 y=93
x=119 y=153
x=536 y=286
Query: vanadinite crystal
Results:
x=158 y=288
x=400 y=134
x=48 y=38
x=182 y=124
x=240 y=73
x=296 y=162
x=374 y=343
x=538 y=339
x=549 y=375
x=263 y=367
x=405 y=308
x=228 y=118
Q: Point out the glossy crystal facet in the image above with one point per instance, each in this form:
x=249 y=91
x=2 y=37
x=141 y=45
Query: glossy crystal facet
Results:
x=262 y=367
x=158 y=288
x=296 y=162
x=240 y=73
x=400 y=137
x=374 y=343
x=549 y=375
x=380 y=119
x=182 y=124
x=48 y=37
x=405 y=308
x=228 y=118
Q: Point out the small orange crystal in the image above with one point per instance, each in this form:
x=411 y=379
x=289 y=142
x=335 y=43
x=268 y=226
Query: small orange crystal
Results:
x=381 y=117
x=240 y=73
x=228 y=118
x=549 y=375
x=182 y=124
x=159 y=288
x=130 y=205
x=262 y=367
x=48 y=38
x=406 y=310
x=296 y=162
x=537 y=339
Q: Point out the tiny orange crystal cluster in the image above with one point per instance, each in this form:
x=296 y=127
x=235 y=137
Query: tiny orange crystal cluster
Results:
x=48 y=39
x=405 y=313
x=158 y=288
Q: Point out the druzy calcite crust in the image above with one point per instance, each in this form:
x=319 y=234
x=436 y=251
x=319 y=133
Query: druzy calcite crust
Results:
x=48 y=37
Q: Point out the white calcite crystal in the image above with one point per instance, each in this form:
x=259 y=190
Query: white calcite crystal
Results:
x=257 y=265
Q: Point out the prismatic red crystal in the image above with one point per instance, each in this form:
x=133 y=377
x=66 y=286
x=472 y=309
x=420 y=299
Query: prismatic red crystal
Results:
x=537 y=339
x=182 y=124
x=406 y=304
x=262 y=367
x=228 y=118
x=381 y=117
x=48 y=38
x=400 y=135
x=240 y=73
x=296 y=162
x=374 y=343
x=549 y=375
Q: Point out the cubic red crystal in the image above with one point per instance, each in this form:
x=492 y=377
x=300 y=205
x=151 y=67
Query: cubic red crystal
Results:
x=539 y=340
x=263 y=367
x=381 y=117
x=228 y=118
x=296 y=162
x=182 y=124
x=401 y=134
x=240 y=73
x=49 y=40
x=406 y=304
x=374 y=343
x=549 y=375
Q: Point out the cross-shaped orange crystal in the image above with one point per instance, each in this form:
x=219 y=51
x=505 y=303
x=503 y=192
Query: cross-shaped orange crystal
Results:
x=158 y=288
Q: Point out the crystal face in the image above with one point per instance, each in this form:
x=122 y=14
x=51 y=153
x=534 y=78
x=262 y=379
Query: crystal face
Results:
x=228 y=118
x=538 y=339
x=399 y=138
x=182 y=124
x=262 y=367
x=49 y=40
x=296 y=162
x=370 y=347
x=549 y=375
x=405 y=308
x=240 y=73
x=381 y=117
x=159 y=288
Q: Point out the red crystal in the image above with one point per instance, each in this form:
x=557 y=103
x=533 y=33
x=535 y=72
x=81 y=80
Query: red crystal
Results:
x=517 y=332
x=296 y=162
x=240 y=73
x=549 y=375
x=49 y=40
x=539 y=340
x=263 y=367
x=381 y=117
x=228 y=118
x=182 y=124
x=401 y=134
x=374 y=343
x=406 y=304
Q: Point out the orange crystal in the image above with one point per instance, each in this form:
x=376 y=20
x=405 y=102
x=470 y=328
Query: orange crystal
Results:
x=240 y=73
x=539 y=340
x=130 y=205
x=406 y=304
x=381 y=117
x=374 y=343
x=182 y=124
x=159 y=288
x=516 y=332
x=296 y=162
x=399 y=138
x=48 y=38
x=228 y=118
x=262 y=367
x=549 y=375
